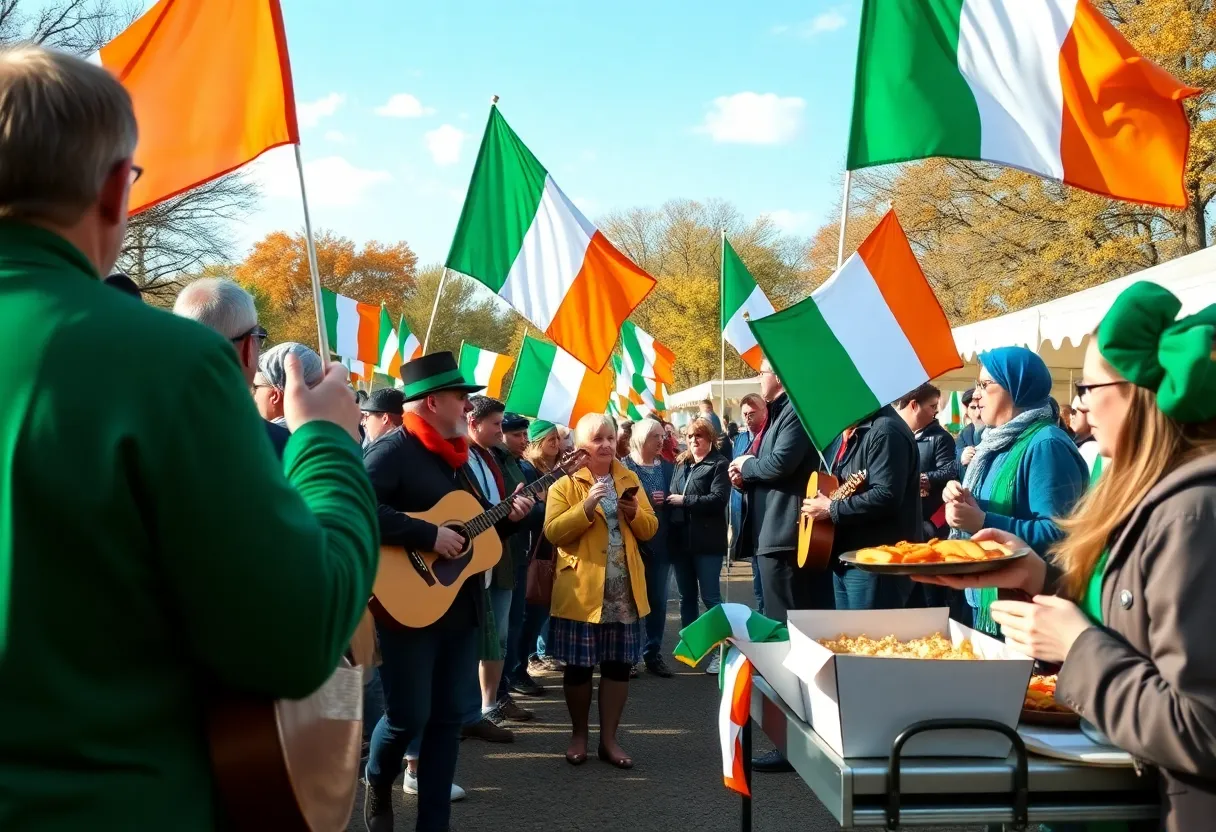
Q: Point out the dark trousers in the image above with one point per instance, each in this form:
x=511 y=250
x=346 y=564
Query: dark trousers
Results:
x=697 y=576
x=515 y=630
x=429 y=677
x=786 y=587
x=658 y=582
x=373 y=702
x=856 y=589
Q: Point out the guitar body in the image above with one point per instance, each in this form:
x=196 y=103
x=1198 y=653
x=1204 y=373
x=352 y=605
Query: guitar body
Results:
x=289 y=765
x=815 y=537
x=416 y=588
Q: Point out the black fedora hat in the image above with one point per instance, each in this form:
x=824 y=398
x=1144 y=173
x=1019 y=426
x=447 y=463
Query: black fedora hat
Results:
x=432 y=373
x=384 y=400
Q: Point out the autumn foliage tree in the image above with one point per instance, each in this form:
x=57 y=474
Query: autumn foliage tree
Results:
x=276 y=272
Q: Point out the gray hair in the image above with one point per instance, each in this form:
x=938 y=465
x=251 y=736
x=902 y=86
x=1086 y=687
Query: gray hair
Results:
x=590 y=425
x=641 y=432
x=64 y=126
x=219 y=304
x=271 y=364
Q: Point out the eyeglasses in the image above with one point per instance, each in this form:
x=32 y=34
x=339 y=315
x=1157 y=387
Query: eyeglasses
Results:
x=1083 y=389
x=984 y=383
x=257 y=333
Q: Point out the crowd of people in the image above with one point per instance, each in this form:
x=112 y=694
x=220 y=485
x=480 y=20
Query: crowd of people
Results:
x=183 y=511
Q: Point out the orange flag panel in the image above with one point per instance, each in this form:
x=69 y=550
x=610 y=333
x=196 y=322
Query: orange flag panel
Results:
x=211 y=84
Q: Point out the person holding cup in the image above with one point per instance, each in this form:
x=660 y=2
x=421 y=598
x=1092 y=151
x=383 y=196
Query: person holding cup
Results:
x=654 y=472
x=1126 y=600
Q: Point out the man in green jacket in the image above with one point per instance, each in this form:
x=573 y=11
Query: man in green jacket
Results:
x=151 y=547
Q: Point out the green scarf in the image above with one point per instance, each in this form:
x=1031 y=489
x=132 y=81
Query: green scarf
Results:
x=1000 y=501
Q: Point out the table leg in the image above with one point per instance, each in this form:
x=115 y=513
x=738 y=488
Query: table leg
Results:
x=745 y=741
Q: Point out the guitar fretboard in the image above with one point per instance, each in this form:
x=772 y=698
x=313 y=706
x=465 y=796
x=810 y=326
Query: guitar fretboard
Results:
x=489 y=518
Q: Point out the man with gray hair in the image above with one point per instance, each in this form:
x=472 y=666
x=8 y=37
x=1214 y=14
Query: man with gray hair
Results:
x=152 y=549
x=222 y=305
x=270 y=381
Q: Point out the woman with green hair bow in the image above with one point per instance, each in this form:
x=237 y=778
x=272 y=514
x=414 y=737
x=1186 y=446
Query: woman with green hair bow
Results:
x=1129 y=602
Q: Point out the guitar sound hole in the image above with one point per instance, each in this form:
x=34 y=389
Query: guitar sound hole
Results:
x=448 y=570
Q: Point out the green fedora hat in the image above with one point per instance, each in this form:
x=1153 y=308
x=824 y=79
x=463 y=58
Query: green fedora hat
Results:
x=432 y=373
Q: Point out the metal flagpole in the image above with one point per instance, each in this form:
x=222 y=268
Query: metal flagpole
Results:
x=844 y=217
x=426 y=342
x=322 y=337
x=722 y=380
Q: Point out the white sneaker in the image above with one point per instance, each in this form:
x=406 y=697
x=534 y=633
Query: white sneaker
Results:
x=410 y=786
x=715 y=664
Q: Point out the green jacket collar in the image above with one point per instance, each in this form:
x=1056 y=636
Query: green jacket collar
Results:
x=24 y=245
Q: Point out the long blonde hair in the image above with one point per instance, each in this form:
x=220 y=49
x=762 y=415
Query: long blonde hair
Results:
x=1150 y=446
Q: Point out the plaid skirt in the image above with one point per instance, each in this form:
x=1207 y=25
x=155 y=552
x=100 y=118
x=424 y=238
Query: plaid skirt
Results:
x=581 y=644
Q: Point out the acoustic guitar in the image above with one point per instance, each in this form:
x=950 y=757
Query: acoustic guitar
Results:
x=289 y=765
x=416 y=588
x=815 y=537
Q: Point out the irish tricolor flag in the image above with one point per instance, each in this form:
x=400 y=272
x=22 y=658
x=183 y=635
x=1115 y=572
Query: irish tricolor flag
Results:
x=644 y=356
x=954 y=413
x=717 y=624
x=637 y=393
x=485 y=368
x=553 y=385
x=524 y=239
x=741 y=296
x=1048 y=86
x=353 y=328
x=397 y=345
x=875 y=331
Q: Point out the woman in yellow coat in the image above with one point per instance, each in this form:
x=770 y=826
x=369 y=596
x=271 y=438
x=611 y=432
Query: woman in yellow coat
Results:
x=599 y=593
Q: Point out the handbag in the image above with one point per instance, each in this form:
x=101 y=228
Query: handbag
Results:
x=541 y=572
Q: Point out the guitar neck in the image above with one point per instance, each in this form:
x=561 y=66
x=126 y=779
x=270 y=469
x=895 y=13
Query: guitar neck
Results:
x=489 y=518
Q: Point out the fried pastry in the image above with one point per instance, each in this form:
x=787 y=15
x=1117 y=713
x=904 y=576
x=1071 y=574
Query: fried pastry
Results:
x=936 y=646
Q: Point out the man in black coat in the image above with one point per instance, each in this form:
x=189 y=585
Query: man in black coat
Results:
x=772 y=475
x=935 y=449
x=429 y=674
x=885 y=510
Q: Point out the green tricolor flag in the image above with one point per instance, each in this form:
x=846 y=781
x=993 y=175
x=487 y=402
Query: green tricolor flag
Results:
x=553 y=385
x=954 y=417
x=645 y=356
x=875 y=331
x=742 y=300
x=724 y=621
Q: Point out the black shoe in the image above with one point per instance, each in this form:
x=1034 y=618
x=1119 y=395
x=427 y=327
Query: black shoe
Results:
x=656 y=665
x=378 y=808
x=488 y=729
x=525 y=685
x=771 y=763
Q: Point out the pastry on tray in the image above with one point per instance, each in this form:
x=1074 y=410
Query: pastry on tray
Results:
x=935 y=551
x=936 y=646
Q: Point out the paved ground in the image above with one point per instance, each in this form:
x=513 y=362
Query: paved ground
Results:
x=670 y=729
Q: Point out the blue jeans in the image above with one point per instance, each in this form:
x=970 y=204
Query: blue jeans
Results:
x=757 y=587
x=541 y=636
x=515 y=630
x=695 y=572
x=658 y=584
x=859 y=590
x=429 y=677
x=373 y=702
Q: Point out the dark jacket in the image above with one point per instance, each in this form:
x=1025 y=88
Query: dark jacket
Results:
x=408 y=477
x=1145 y=678
x=938 y=462
x=657 y=545
x=699 y=526
x=278 y=437
x=887 y=509
x=968 y=437
x=516 y=546
x=774 y=484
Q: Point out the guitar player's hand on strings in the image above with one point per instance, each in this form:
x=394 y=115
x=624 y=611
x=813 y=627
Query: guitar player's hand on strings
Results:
x=520 y=506
x=448 y=543
x=818 y=507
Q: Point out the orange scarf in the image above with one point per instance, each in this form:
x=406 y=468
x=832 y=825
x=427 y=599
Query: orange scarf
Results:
x=455 y=452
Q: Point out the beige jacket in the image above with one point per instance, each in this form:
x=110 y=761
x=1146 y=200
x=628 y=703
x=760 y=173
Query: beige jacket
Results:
x=1148 y=678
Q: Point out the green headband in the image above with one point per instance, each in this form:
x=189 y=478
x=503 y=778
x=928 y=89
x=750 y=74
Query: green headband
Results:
x=538 y=428
x=1141 y=339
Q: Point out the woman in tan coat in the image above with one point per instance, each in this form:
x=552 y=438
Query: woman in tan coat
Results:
x=1129 y=602
x=599 y=592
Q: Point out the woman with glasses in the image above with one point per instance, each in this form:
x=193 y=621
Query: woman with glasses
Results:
x=1025 y=471
x=696 y=511
x=1126 y=603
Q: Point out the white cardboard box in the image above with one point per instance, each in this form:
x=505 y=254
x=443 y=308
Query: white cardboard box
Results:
x=769 y=661
x=860 y=704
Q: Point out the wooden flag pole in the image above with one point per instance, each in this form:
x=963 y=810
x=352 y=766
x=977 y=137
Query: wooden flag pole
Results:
x=844 y=217
x=322 y=337
x=426 y=342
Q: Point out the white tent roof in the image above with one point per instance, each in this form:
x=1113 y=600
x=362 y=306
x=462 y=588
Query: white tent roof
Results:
x=735 y=390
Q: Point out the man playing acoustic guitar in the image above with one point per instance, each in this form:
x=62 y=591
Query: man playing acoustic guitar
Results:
x=429 y=674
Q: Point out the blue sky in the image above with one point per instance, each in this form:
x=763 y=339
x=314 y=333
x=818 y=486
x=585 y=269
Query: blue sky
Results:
x=626 y=104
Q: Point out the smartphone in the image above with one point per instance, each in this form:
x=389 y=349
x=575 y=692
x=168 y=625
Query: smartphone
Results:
x=629 y=493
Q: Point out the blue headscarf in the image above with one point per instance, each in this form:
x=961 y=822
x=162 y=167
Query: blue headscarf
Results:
x=1021 y=372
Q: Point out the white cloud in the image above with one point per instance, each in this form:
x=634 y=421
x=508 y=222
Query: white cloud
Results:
x=404 y=105
x=310 y=113
x=789 y=221
x=336 y=136
x=332 y=180
x=444 y=144
x=828 y=21
x=753 y=118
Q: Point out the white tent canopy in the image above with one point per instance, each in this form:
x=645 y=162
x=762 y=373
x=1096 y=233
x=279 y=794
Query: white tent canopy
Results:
x=1057 y=330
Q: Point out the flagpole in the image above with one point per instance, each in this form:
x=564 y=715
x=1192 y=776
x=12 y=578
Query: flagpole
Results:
x=844 y=217
x=722 y=380
x=322 y=337
x=426 y=342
